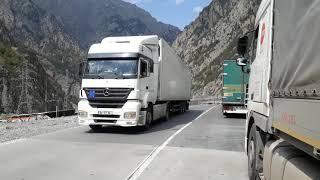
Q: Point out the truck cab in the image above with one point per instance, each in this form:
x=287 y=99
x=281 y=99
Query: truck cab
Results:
x=119 y=81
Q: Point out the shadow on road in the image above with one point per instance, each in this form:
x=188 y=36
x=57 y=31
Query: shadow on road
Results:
x=159 y=125
x=235 y=116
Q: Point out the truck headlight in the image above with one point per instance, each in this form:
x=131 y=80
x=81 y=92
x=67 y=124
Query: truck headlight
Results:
x=83 y=114
x=130 y=115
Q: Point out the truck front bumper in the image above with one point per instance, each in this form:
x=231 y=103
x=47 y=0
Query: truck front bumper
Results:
x=233 y=109
x=111 y=116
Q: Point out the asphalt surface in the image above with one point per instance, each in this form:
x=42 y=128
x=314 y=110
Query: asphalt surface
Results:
x=194 y=145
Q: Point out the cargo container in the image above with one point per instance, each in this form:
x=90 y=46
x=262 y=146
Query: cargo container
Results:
x=234 y=88
x=283 y=125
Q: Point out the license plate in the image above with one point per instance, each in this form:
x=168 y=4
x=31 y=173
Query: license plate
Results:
x=105 y=112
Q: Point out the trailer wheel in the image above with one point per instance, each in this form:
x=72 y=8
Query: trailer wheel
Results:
x=95 y=127
x=255 y=154
x=183 y=108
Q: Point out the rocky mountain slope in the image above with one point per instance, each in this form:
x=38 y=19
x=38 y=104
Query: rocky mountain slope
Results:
x=42 y=43
x=212 y=38
x=43 y=55
x=89 y=21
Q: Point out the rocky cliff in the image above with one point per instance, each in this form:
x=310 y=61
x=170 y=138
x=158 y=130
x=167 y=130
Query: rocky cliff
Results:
x=46 y=54
x=212 y=38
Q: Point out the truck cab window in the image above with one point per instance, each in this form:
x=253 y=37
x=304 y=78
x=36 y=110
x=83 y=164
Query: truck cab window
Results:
x=255 y=44
x=144 y=69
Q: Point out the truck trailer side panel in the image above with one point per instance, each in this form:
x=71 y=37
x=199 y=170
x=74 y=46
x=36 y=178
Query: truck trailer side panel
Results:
x=295 y=69
x=174 y=76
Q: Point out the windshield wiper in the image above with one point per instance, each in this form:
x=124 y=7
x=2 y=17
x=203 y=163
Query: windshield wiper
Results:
x=94 y=76
x=118 y=76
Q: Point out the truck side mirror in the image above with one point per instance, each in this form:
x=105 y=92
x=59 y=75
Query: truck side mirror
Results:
x=243 y=45
x=242 y=61
x=81 y=66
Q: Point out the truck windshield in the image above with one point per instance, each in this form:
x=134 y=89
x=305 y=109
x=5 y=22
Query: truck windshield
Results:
x=111 y=69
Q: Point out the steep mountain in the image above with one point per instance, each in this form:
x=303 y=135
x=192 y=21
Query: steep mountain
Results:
x=38 y=60
x=89 y=21
x=212 y=38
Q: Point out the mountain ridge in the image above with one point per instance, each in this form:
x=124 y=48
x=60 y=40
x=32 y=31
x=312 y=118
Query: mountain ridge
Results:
x=212 y=38
x=91 y=21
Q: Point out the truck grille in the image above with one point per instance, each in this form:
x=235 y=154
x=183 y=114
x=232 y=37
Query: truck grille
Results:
x=105 y=121
x=106 y=116
x=107 y=97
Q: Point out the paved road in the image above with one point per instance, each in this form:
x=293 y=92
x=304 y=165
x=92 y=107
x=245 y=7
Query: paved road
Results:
x=186 y=147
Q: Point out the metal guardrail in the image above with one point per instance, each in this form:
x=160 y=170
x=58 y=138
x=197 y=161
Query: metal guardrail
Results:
x=209 y=100
x=51 y=114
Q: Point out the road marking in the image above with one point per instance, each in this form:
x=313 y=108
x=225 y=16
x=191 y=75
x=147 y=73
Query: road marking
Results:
x=147 y=161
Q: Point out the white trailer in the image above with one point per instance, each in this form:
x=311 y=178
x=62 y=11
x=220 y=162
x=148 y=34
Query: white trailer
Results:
x=131 y=81
x=283 y=126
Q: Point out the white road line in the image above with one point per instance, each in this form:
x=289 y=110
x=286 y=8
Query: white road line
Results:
x=147 y=161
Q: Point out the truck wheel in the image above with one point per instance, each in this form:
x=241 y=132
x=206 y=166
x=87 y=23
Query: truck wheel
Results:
x=255 y=154
x=95 y=127
x=185 y=107
x=182 y=108
x=167 y=117
x=148 y=121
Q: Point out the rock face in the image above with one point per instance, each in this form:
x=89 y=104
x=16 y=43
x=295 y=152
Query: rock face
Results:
x=89 y=21
x=212 y=38
x=43 y=41
x=44 y=55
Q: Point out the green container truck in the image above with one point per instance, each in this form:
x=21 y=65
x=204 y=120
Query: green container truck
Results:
x=234 y=88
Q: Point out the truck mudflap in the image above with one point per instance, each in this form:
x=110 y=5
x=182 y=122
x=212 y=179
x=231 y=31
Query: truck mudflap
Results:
x=283 y=161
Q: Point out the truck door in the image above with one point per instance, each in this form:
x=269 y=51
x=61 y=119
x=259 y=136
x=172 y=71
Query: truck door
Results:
x=260 y=68
x=146 y=79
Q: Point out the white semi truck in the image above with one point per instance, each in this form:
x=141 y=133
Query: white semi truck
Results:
x=283 y=123
x=131 y=81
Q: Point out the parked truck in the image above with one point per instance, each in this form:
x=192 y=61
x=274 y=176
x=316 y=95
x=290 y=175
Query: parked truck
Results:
x=234 y=88
x=131 y=81
x=283 y=123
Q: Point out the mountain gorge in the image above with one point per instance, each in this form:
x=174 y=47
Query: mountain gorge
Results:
x=43 y=41
x=90 y=21
x=212 y=38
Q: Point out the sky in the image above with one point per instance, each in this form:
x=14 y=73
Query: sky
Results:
x=175 y=12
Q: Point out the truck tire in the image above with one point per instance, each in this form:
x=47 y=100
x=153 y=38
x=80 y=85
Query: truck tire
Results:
x=95 y=127
x=182 y=108
x=167 y=116
x=185 y=107
x=255 y=154
x=148 y=122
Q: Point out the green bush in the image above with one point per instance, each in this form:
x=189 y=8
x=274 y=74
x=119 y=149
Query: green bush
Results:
x=9 y=59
